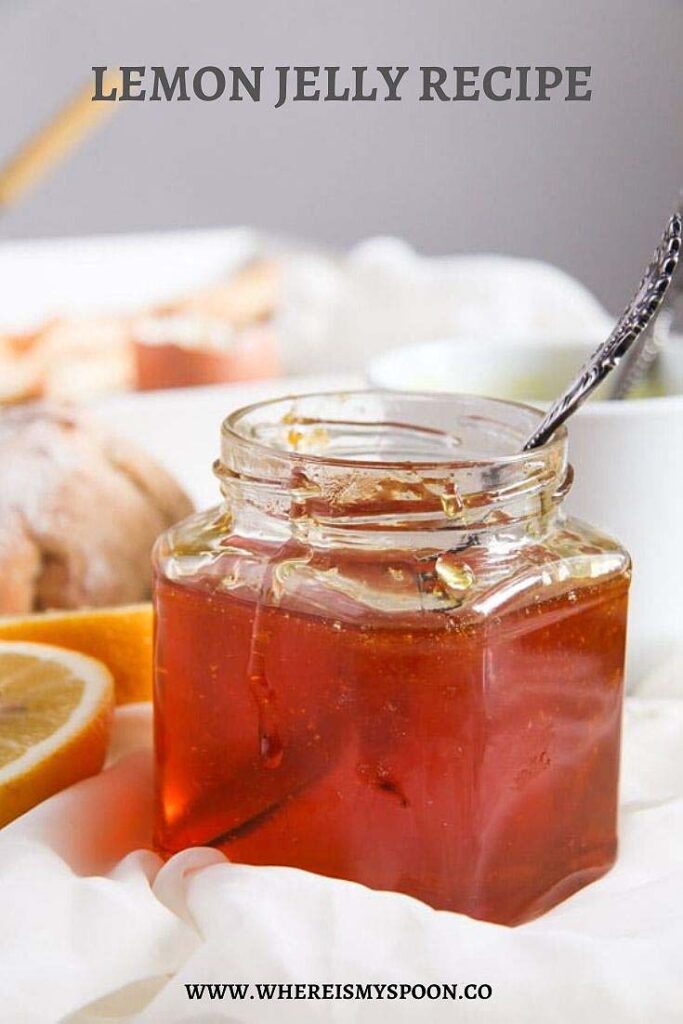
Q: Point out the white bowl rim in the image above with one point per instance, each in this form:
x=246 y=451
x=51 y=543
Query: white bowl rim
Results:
x=599 y=407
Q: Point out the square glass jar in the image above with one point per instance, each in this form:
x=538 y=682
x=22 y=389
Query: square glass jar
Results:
x=388 y=656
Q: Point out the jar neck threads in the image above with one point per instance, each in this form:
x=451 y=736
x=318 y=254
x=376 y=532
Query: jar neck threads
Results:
x=339 y=464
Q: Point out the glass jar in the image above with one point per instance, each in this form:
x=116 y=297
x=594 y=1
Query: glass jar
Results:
x=388 y=656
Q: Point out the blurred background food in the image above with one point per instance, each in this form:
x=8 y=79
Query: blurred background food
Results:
x=219 y=332
x=117 y=317
x=79 y=511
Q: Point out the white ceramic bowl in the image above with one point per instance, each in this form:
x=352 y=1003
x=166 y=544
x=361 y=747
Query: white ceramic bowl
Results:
x=627 y=456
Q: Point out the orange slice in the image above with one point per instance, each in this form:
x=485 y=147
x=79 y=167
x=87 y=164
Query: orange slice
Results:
x=55 y=717
x=120 y=637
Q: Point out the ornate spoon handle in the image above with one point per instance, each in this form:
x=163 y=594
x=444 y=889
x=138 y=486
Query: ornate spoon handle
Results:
x=630 y=325
x=643 y=355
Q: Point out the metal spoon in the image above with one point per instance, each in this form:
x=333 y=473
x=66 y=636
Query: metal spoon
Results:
x=643 y=356
x=642 y=360
x=630 y=325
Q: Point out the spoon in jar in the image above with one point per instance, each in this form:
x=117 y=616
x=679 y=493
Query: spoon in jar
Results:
x=630 y=325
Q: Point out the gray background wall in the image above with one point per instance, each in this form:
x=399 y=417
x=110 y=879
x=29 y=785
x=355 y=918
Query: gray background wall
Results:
x=585 y=185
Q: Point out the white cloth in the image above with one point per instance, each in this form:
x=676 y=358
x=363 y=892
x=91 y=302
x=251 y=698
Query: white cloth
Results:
x=337 y=312
x=94 y=928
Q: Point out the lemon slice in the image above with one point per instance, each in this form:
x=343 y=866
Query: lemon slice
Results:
x=55 y=717
x=121 y=637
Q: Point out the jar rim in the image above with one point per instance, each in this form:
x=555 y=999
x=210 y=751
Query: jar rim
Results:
x=231 y=433
x=331 y=457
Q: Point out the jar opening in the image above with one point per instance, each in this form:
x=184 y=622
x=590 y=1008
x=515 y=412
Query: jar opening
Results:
x=390 y=427
x=380 y=455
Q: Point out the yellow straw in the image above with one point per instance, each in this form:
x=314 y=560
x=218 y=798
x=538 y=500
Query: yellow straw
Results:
x=55 y=140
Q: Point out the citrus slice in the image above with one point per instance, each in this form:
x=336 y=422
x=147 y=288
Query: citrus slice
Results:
x=55 y=717
x=120 y=637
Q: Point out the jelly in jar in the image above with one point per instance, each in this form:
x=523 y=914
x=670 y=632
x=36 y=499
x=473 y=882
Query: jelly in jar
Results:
x=389 y=656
